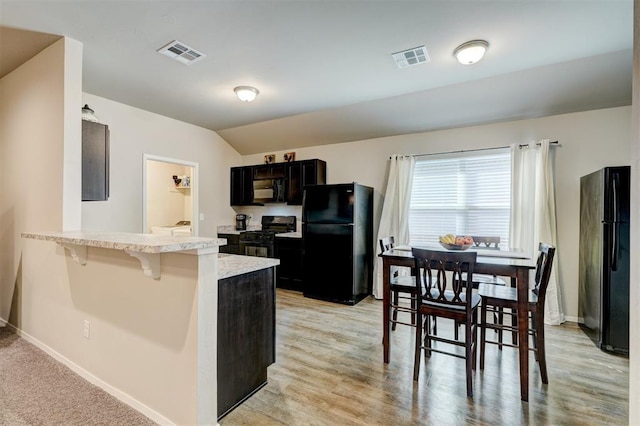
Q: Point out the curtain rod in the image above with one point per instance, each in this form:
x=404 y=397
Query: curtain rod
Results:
x=479 y=149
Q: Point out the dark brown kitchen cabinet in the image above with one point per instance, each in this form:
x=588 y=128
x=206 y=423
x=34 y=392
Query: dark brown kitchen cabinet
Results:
x=269 y=171
x=246 y=336
x=301 y=173
x=95 y=161
x=241 y=186
x=289 y=272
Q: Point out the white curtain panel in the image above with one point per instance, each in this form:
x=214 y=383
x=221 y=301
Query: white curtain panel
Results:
x=394 y=220
x=533 y=213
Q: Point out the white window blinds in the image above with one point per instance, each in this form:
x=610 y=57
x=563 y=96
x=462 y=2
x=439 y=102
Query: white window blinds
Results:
x=462 y=194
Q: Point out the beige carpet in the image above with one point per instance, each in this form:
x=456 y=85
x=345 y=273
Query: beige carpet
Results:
x=35 y=389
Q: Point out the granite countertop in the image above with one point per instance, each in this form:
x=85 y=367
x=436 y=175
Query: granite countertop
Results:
x=230 y=265
x=143 y=243
x=289 y=235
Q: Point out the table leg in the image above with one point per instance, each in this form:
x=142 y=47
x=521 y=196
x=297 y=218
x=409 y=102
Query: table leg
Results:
x=523 y=335
x=386 y=294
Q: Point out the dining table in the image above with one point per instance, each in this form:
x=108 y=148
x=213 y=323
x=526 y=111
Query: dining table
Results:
x=508 y=263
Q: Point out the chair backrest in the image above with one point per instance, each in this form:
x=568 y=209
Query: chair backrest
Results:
x=431 y=267
x=487 y=242
x=386 y=243
x=546 y=253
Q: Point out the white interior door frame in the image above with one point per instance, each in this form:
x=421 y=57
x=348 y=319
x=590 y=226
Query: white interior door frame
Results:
x=195 y=186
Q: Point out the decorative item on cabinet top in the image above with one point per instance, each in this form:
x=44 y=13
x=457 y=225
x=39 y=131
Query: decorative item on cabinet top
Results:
x=289 y=156
x=269 y=158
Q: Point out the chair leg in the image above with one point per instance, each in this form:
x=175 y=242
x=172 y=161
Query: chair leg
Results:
x=395 y=311
x=414 y=307
x=514 y=317
x=483 y=332
x=456 y=325
x=469 y=356
x=427 y=336
x=474 y=343
x=514 y=324
x=500 y=322
x=435 y=326
x=418 y=346
x=542 y=360
x=534 y=326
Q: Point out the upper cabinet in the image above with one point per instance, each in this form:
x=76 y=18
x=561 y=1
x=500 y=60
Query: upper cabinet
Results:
x=241 y=186
x=301 y=173
x=269 y=171
x=295 y=175
x=95 y=161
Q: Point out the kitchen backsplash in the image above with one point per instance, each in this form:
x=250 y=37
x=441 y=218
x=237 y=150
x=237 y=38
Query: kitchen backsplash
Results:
x=271 y=210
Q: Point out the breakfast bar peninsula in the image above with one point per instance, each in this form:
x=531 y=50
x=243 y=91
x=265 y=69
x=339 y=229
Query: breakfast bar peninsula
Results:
x=142 y=314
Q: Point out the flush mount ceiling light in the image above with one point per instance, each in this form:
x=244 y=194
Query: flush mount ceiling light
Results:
x=471 y=51
x=246 y=93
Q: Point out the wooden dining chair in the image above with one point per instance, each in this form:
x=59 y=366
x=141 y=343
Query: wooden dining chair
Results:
x=402 y=288
x=452 y=299
x=488 y=243
x=494 y=297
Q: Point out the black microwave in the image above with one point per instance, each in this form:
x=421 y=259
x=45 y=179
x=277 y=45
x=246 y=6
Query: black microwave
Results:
x=268 y=191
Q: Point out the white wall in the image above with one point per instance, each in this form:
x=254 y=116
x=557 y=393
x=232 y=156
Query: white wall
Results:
x=135 y=132
x=35 y=189
x=589 y=141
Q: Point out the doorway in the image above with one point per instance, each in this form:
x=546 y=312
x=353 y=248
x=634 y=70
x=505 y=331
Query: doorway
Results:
x=170 y=196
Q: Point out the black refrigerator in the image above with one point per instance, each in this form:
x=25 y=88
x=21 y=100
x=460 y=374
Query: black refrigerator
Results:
x=604 y=257
x=337 y=239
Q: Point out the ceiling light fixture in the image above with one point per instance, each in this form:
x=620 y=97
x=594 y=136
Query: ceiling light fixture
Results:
x=471 y=51
x=246 y=93
x=88 y=114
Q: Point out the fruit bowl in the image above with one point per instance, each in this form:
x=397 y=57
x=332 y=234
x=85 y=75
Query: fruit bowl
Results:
x=455 y=246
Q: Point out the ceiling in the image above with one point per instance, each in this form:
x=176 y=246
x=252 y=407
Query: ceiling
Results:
x=324 y=68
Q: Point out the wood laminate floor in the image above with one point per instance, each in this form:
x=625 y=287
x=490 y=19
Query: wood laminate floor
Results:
x=329 y=371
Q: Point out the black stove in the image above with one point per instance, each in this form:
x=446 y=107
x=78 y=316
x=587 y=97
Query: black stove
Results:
x=261 y=243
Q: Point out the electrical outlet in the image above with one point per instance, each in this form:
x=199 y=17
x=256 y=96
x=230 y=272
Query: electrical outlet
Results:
x=87 y=329
x=201 y=216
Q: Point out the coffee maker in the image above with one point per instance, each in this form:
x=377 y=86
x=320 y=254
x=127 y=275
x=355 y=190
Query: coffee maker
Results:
x=241 y=222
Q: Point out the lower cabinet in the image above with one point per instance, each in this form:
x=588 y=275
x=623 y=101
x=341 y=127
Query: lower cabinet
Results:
x=289 y=272
x=246 y=336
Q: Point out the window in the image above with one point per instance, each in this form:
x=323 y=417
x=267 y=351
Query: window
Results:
x=461 y=194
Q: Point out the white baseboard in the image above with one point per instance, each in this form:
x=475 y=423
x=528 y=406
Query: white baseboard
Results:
x=117 y=393
x=574 y=319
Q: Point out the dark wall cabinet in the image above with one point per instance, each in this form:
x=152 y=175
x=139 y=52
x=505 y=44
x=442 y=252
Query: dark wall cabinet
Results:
x=289 y=272
x=246 y=336
x=241 y=186
x=297 y=174
x=95 y=161
x=233 y=243
x=269 y=171
x=301 y=173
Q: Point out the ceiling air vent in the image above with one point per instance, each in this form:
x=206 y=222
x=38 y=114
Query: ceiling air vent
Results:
x=181 y=52
x=414 y=56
